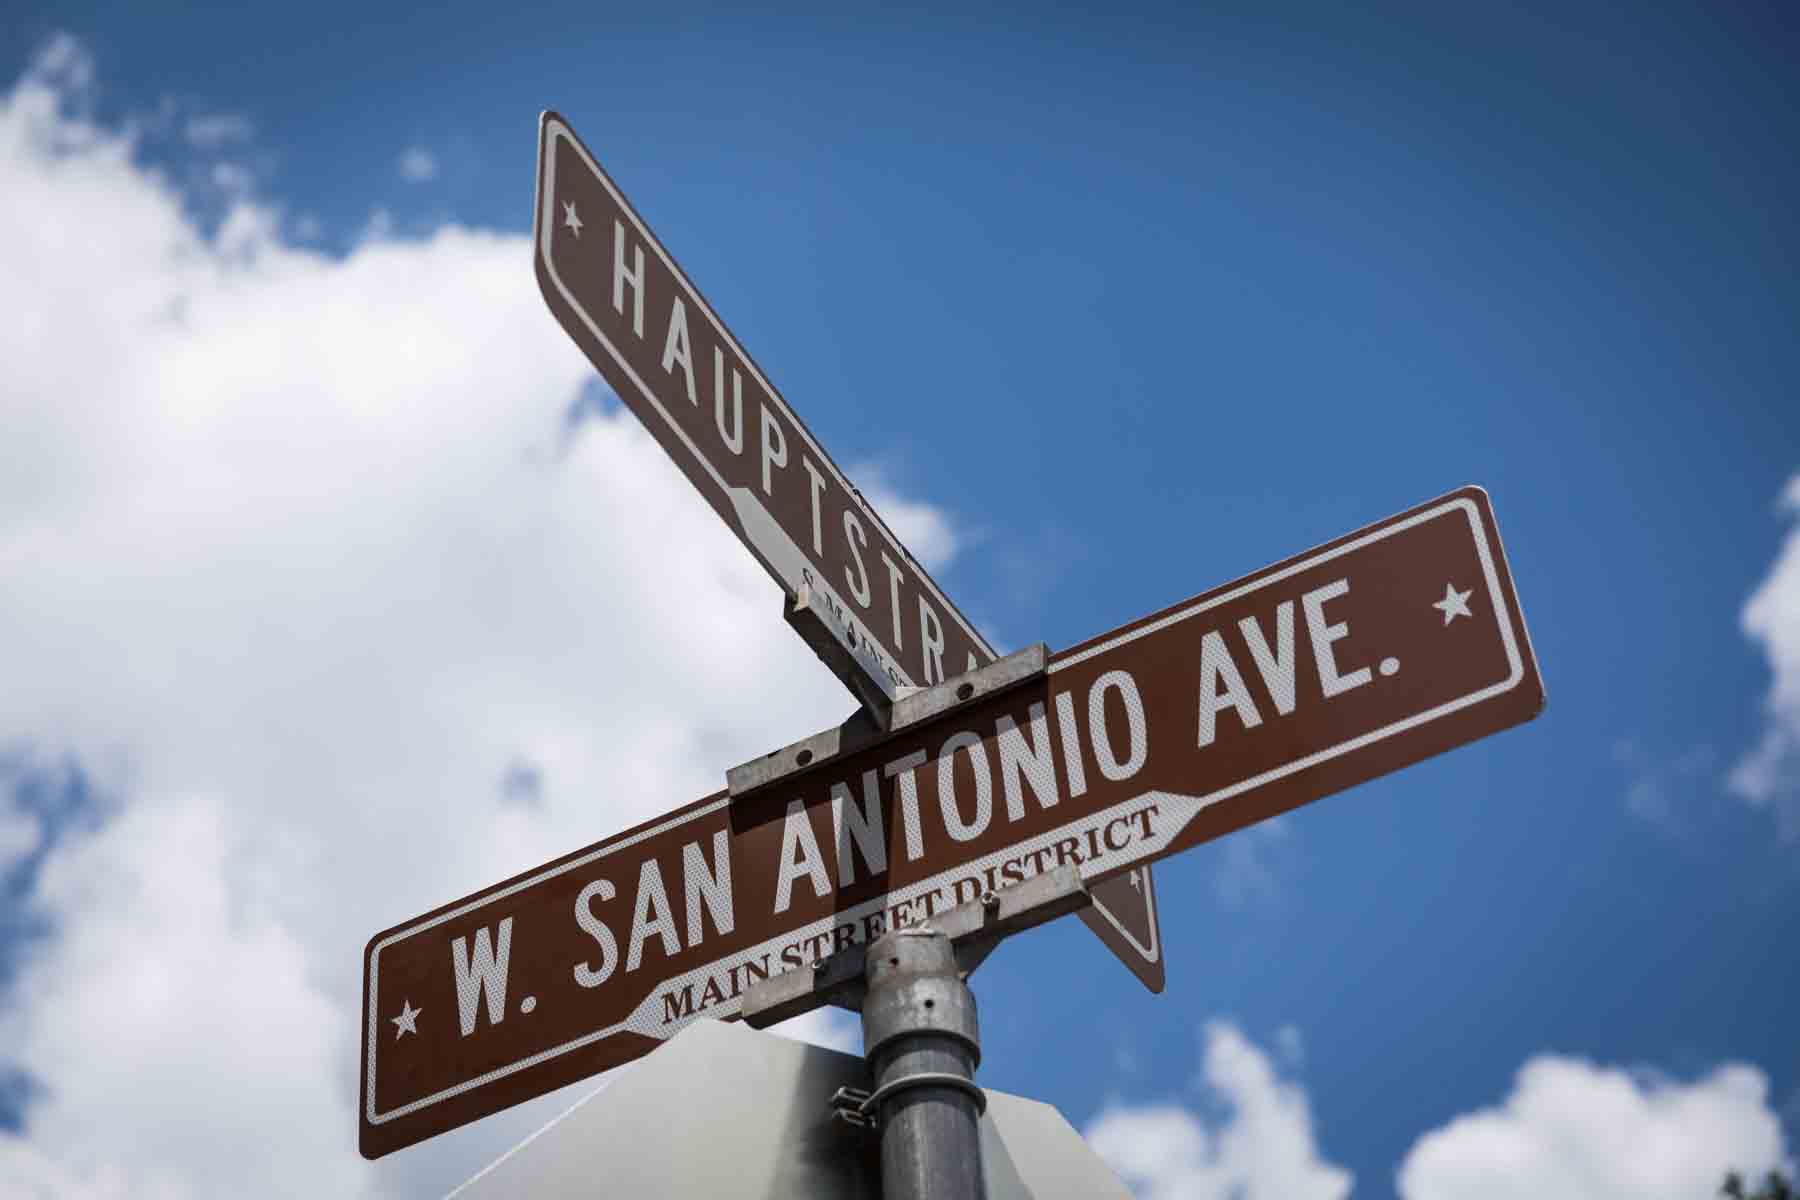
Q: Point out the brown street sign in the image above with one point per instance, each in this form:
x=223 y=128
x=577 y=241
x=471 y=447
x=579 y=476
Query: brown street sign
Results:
x=1123 y=917
x=640 y=320
x=1389 y=645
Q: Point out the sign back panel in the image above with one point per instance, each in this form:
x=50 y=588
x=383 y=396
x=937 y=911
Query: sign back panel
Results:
x=1382 y=648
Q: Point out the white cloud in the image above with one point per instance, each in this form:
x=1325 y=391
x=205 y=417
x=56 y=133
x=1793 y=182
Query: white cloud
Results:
x=31 y=1174
x=1572 y=1129
x=234 y=179
x=1262 y=1150
x=299 y=563
x=64 y=63
x=20 y=834
x=418 y=165
x=1291 y=1045
x=380 y=226
x=1769 y=776
x=923 y=529
x=1249 y=873
x=1661 y=791
x=194 y=1002
x=210 y=131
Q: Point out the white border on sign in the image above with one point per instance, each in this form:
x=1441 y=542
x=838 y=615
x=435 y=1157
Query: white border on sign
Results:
x=1516 y=664
x=1490 y=576
x=1504 y=618
x=546 y=223
x=471 y=906
x=1153 y=951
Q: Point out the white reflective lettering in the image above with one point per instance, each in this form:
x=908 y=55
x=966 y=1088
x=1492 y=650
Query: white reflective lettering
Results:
x=621 y=277
x=902 y=770
x=946 y=781
x=1216 y=667
x=733 y=437
x=595 y=928
x=859 y=825
x=894 y=578
x=816 y=484
x=713 y=886
x=799 y=857
x=1071 y=744
x=1139 y=747
x=651 y=915
x=1021 y=761
x=676 y=349
x=481 y=971
x=853 y=535
x=1323 y=635
x=774 y=449
x=1277 y=668
x=931 y=633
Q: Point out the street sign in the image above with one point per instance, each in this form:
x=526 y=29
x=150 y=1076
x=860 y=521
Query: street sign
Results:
x=619 y=293
x=1384 y=647
x=640 y=320
x=1123 y=917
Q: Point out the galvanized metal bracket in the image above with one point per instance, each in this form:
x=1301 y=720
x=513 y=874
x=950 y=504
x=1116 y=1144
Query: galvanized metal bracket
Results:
x=861 y=1109
x=974 y=929
x=846 y=651
x=836 y=979
x=864 y=729
x=851 y=1106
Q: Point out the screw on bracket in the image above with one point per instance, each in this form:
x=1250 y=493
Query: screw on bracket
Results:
x=851 y=1106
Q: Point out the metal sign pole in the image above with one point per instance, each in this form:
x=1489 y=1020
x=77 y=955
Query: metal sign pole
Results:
x=920 y=1034
x=922 y=1042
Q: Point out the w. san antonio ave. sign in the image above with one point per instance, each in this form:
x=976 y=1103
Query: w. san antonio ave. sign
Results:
x=1389 y=645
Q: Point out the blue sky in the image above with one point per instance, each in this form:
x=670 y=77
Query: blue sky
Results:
x=1142 y=302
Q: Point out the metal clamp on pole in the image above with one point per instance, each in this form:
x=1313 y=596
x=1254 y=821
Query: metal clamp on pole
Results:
x=872 y=1102
x=858 y=1106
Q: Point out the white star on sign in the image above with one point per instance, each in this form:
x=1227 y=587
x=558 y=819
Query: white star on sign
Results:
x=404 y=1023
x=1454 y=604
x=570 y=219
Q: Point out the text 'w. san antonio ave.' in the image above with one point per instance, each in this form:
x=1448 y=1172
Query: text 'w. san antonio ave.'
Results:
x=1395 y=643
